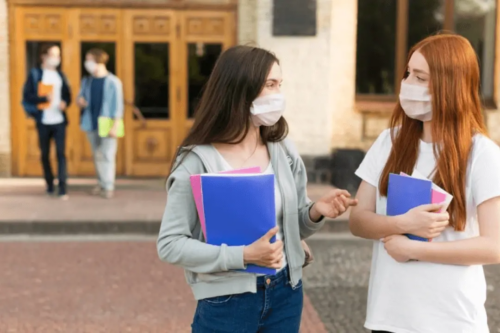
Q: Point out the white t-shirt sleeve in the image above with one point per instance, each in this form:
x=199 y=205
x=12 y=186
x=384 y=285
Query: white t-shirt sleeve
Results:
x=375 y=159
x=485 y=171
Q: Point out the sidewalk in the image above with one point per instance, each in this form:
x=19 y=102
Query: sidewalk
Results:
x=137 y=207
x=95 y=269
x=99 y=287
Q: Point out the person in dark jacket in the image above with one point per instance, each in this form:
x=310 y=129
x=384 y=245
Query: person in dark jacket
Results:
x=48 y=110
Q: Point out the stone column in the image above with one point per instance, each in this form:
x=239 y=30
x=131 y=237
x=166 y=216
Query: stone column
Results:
x=5 y=142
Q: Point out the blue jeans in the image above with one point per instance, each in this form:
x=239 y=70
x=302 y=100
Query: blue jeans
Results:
x=276 y=308
x=45 y=134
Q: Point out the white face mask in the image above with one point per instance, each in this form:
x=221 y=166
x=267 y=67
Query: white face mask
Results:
x=267 y=110
x=416 y=101
x=90 y=66
x=53 y=62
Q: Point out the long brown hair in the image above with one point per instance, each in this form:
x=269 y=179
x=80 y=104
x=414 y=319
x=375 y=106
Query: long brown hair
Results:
x=223 y=113
x=456 y=117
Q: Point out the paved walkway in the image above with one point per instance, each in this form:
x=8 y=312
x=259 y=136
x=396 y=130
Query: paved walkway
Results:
x=98 y=287
x=337 y=283
x=23 y=200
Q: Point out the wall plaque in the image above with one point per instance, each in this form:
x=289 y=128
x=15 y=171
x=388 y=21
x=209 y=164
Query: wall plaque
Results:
x=294 y=17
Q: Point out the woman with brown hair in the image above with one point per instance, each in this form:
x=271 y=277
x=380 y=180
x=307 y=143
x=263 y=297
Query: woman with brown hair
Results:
x=239 y=123
x=438 y=129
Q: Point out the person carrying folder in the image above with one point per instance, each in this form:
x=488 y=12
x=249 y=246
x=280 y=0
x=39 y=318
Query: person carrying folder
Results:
x=46 y=96
x=239 y=124
x=437 y=129
x=101 y=98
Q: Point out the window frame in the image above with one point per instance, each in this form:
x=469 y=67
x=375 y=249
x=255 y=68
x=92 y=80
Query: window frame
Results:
x=402 y=21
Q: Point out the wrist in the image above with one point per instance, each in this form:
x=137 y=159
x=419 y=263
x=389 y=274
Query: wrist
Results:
x=400 y=224
x=246 y=255
x=415 y=250
x=314 y=215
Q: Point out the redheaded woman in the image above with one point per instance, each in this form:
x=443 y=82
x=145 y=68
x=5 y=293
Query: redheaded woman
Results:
x=438 y=129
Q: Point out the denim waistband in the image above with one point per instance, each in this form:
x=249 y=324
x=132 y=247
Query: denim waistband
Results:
x=269 y=281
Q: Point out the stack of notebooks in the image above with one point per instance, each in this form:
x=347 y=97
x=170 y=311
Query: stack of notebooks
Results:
x=407 y=192
x=236 y=208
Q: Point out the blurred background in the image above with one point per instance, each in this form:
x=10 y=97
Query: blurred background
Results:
x=90 y=265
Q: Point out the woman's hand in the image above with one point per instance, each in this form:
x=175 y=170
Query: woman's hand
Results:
x=264 y=253
x=423 y=221
x=332 y=205
x=400 y=247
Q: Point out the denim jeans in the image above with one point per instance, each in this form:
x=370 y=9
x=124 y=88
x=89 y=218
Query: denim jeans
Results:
x=104 y=152
x=275 y=308
x=45 y=134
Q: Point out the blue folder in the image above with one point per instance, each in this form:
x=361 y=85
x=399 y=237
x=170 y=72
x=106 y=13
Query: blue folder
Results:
x=406 y=193
x=239 y=209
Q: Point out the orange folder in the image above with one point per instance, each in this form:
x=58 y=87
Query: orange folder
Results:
x=44 y=90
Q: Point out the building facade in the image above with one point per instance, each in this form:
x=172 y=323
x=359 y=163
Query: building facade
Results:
x=342 y=61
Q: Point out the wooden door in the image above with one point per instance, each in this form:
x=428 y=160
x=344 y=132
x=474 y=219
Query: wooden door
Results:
x=151 y=80
x=92 y=28
x=204 y=36
x=163 y=57
x=32 y=28
x=181 y=49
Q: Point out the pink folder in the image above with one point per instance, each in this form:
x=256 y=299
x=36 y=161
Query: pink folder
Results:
x=198 y=198
x=437 y=197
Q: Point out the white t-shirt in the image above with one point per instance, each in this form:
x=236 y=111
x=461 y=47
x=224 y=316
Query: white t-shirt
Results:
x=423 y=297
x=277 y=200
x=53 y=115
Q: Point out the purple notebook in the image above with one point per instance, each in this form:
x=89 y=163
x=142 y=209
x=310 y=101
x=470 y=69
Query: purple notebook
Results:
x=406 y=193
x=196 y=187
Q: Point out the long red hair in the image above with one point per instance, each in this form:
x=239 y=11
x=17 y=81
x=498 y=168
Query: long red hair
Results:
x=456 y=117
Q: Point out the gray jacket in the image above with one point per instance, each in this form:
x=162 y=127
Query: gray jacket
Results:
x=210 y=269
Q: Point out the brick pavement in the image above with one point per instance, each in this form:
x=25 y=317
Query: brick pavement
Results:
x=94 y=287
x=90 y=272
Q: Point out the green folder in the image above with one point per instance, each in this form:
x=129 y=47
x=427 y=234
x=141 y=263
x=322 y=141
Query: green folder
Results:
x=105 y=124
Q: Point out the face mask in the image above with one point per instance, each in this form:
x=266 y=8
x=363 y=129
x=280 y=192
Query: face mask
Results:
x=416 y=101
x=90 y=66
x=267 y=110
x=53 y=62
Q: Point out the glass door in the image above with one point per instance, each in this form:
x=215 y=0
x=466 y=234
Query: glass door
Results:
x=204 y=35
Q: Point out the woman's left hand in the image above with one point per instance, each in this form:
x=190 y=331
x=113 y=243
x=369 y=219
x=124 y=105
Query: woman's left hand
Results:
x=332 y=205
x=399 y=247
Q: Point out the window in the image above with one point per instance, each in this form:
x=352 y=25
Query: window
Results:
x=201 y=60
x=151 y=79
x=375 y=58
x=476 y=21
x=387 y=29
